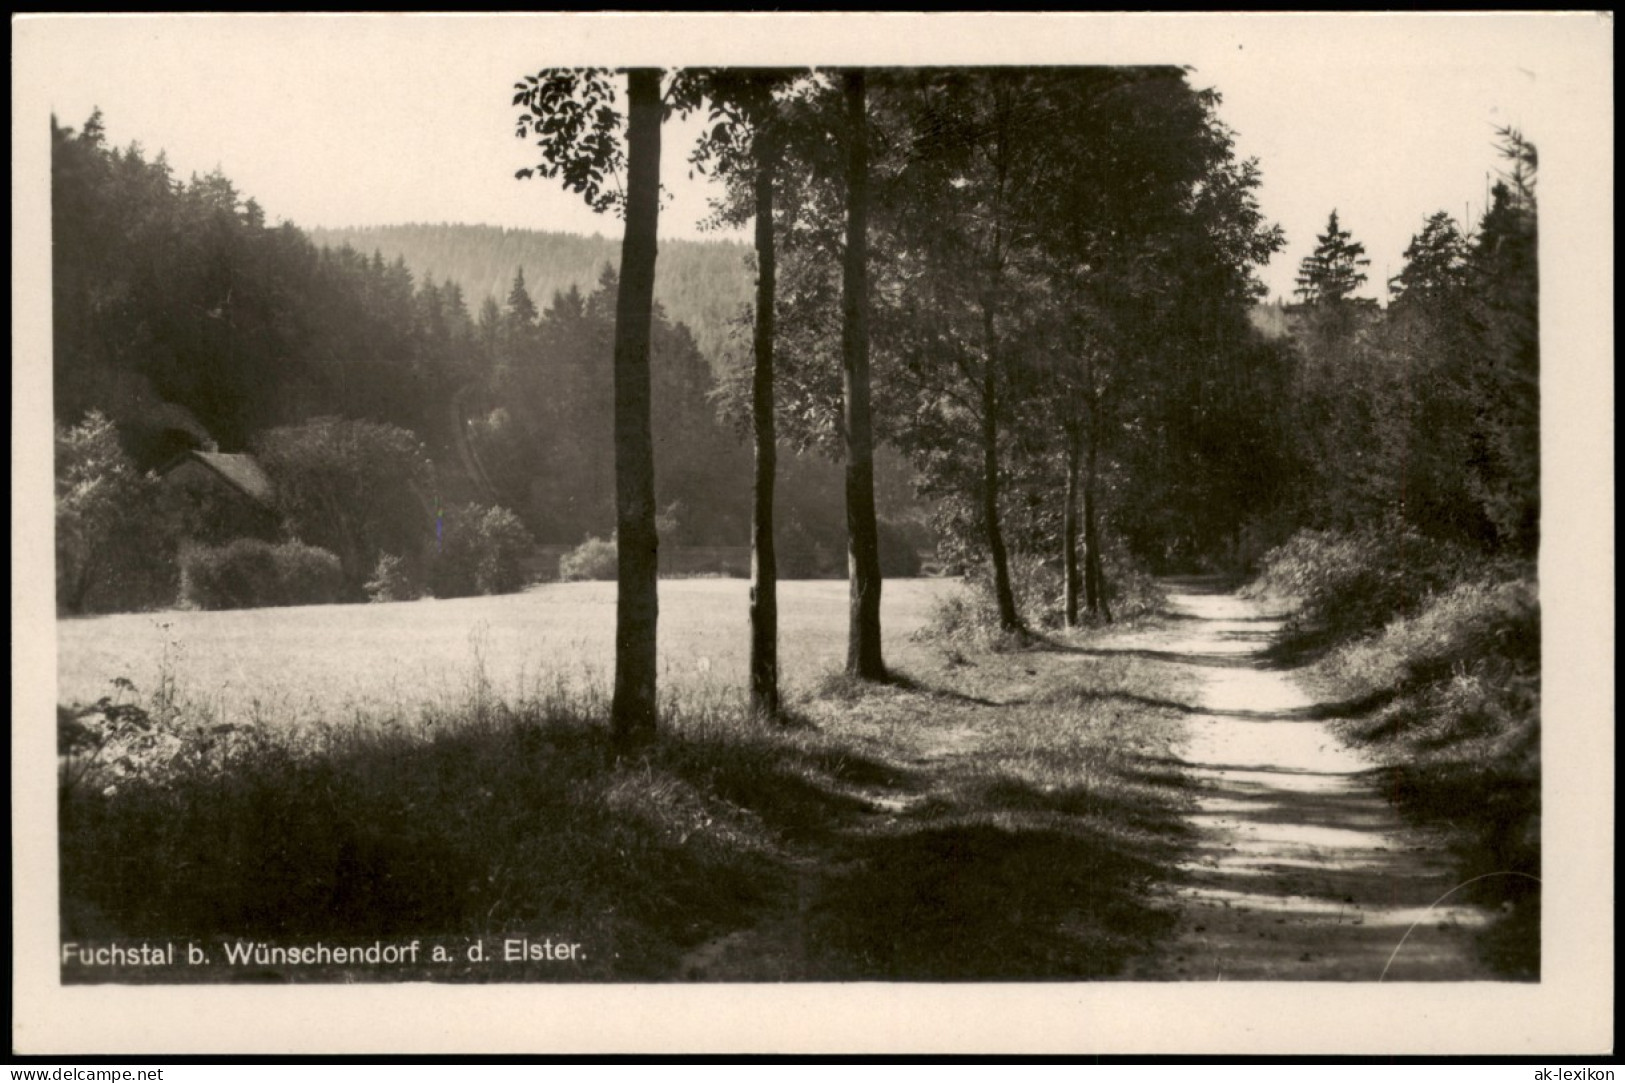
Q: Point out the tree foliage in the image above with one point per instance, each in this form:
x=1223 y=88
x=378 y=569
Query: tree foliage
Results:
x=1331 y=273
x=114 y=547
x=356 y=488
x=1428 y=413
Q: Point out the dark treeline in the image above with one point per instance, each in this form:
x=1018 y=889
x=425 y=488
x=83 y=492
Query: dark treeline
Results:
x=1427 y=412
x=539 y=420
x=187 y=322
x=700 y=284
x=178 y=294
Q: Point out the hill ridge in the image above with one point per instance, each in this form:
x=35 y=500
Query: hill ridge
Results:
x=705 y=284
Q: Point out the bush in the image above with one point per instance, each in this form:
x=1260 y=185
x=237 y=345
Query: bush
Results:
x=1130 y=588
x=349 y=485
x=901 y=543
x=115 y=548
x=391 y=581
x=481 y=552
x=307 y=575
x=1480 y=623
x=595 y=558
x=1351 y=584
x=249 y=573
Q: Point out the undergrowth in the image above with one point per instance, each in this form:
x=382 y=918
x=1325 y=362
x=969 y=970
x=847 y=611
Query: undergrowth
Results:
x=1449 y=650
x=499 y=819
x=1352 y=584
x=487 y=818
x=969 y=617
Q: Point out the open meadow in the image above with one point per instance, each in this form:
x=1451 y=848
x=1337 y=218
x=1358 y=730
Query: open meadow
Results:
x=307 y=661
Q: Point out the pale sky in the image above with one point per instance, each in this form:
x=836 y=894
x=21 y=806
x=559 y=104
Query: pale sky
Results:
x=348 y=121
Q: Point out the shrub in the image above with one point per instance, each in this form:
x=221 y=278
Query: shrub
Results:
x=1131 y=589
x=971 y=615
x=391 y=581
x=1350 y=584
x=307 y=575
x=249 y=573
x=484 y=818
x=115 y=549
x=481 y=552
x=595 y=558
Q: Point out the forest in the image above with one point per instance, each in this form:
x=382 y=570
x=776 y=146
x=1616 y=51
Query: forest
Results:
x=1008 y=321
x=185 y=322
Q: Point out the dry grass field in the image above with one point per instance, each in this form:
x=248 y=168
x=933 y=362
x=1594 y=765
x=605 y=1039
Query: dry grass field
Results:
x=306 y=661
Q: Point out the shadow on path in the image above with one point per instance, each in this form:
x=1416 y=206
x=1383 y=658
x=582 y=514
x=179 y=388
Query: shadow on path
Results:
x=1299 y=866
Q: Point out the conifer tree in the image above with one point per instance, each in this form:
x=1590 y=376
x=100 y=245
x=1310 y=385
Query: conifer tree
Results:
x=1332 y=272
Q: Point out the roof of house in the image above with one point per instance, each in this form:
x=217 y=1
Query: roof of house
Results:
x=169 y=415
x=241 y=472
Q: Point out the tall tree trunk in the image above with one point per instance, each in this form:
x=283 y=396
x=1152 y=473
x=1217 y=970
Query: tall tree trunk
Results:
x=764 y=602
x=1094 y=575
x=1069 y=524
x=863 y=658
x=637 y=604
x=1003 y=593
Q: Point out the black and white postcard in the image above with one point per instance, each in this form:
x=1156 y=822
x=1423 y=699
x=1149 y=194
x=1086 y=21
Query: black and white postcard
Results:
x=735 y=533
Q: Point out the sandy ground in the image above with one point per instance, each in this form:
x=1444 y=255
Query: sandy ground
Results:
x=1301 y=868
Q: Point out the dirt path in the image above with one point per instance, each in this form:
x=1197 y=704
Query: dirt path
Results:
x=1301 y=869
x=963 y=849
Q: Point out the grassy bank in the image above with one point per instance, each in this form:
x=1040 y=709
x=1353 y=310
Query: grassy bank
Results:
x=1443 y=660
x=985 y=816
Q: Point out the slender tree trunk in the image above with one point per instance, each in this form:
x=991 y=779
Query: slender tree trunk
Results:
x=1094 y=575
x=1069 y=524
x=863 y=657
x=637 y=608
x=1003 y=593
x=764 y=601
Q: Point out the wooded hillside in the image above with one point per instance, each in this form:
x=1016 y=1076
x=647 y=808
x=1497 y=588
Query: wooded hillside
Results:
x=705 y=285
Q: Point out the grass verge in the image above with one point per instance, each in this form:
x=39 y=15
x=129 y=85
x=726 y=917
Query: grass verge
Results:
x=1458 y=733
x=1001 y=817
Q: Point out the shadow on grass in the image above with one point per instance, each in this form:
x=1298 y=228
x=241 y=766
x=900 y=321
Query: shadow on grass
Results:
x=1315 y=712
x=505 y=823
x=983 y=902
x=907 y=683
x=475 y=832
x=1138 y=814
